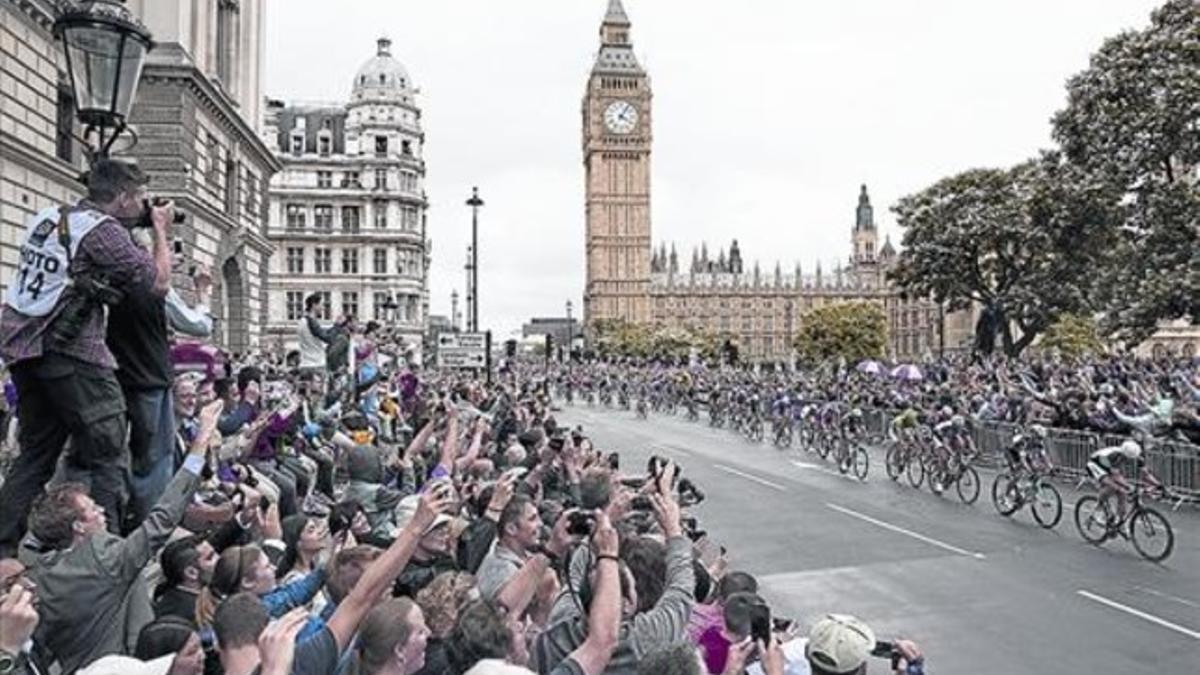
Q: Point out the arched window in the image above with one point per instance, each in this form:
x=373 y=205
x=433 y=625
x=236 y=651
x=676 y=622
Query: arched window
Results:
x=382 y=78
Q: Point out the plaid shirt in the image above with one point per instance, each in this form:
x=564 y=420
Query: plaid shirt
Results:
x=108 y=249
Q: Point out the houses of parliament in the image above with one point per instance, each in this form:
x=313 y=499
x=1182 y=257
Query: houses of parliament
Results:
x=629 y=279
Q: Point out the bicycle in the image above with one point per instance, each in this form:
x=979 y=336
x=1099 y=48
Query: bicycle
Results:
x=957 y=470
x=1148 y=530
x=852 y=455
x=1010 y=493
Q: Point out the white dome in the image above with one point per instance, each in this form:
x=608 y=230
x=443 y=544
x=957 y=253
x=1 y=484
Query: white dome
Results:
x=382 y=76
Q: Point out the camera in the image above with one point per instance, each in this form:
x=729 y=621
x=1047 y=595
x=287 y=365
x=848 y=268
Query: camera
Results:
x=86 y=294
x=887 y=650
x=145 y=220
x=581 y=524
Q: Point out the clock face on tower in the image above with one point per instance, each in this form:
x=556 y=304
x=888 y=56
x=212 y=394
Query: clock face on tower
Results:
x=620 y=117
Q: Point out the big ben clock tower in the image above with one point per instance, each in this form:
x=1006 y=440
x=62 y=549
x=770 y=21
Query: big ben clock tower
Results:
x=616 y=160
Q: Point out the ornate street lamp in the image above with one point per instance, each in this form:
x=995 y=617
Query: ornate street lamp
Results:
x=105 y=46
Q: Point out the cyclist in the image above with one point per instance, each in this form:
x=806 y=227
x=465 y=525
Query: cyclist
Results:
x=1105 y=466
x=903 y=425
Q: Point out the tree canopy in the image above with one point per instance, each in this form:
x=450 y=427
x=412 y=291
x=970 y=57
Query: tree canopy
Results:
x=849 y=330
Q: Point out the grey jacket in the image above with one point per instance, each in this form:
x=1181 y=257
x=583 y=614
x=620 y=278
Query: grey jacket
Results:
x=665 y=624
x=93 y=599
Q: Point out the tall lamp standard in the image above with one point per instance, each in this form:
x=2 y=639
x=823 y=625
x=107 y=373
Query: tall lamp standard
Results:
x=105 y=47
x=474 y=202
x=570 y=331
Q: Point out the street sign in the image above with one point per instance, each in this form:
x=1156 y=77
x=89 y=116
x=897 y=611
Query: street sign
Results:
x=462 y=350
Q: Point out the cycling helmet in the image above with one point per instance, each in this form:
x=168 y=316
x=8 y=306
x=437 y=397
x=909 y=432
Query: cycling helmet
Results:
x=958 y=421
x=1131 y=449
x=1038 y=430
x=855 y=412
x=947 y=411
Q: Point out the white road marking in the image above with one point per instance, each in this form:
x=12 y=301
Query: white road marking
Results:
x=823 y=469
x=1195 y=635
x=1168 y=596
x=756 y=479
x=915 y=535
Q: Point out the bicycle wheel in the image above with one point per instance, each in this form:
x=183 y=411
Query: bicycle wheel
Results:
x=1091 y=519
x=1004 y=495
x=936 y=478
x=862 y=462
x=845 y=456
x=892 y=462
x=967 y=485
x=1046 y=505
x=1151 y=534
x=916 y=472
x=823 y=443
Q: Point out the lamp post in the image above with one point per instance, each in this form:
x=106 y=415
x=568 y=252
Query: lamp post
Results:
x=105 y=46
x=570 y=331
x=474 y=202
x=469 y=268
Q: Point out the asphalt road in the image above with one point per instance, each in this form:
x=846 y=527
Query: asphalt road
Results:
x=980 y=593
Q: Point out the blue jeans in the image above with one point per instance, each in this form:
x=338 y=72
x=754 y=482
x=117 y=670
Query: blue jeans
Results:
x=151 y=448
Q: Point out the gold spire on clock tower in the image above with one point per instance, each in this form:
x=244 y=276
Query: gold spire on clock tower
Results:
x=616 y=160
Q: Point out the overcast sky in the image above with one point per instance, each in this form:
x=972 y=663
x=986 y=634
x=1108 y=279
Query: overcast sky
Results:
x=768 y=114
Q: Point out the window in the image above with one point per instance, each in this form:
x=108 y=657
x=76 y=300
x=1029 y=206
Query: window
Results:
x=324 y=144
x=408 y=181
x=349 y=261
x=408 y=217
x=381 y=217
x=350 y=219
x=322 y=260
x=406 y=148
x=251 y=193
x=324 y=179
x=295 y=305
x=377 y=304
x=214 y=160
x=380 y=179
x=233 y=187
x=295 y=260
x=381 y=146
x=295 y=217
x=326 y=305
x=380 y=263
x=298 y=144
x=226 y=42
x=350 y=180
x=323 y=217
x=350 y=303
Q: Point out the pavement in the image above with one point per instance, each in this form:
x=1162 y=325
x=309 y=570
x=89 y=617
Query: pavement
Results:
x=981 y=594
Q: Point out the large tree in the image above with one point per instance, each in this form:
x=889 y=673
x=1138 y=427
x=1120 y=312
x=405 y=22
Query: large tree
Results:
x=1022 y=243
x=1132 y=124
x=849 y=330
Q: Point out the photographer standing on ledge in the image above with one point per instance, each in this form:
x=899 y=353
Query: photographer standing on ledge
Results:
x=137 y=337
x=75 y=260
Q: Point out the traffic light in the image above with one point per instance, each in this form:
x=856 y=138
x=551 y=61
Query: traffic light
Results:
x=549 y=345
x=510 y=349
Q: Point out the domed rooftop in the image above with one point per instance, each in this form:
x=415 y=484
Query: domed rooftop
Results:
x=382 y=76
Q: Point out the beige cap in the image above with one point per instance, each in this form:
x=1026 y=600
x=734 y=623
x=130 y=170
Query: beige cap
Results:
x=840 y=643
x=127 y=665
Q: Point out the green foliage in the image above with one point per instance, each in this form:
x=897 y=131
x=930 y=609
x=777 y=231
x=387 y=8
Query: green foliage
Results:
x=1132 y=124
x=851 y=330
x=616 y=338
x=1022 y=242
x=1073 y=335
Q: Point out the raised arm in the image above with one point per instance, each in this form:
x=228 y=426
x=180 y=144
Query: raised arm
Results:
x=382 y=573
x=604 y=616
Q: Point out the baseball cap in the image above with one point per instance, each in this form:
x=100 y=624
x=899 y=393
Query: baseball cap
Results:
x=840 y=643
x=126 y=665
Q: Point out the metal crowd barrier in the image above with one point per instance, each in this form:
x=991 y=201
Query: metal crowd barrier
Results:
x=1177 y=465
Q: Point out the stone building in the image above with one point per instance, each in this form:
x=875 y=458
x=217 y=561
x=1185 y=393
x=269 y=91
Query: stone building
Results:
x=196 y=117
x=627 y=280
x=347 y=212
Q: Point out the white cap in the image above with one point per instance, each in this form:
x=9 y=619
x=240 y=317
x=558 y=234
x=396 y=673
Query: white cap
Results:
x=497 y=667
x=840 y=643
x=127 y=665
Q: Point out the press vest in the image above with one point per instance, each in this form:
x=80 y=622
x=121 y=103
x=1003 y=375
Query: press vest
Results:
x=42 y=272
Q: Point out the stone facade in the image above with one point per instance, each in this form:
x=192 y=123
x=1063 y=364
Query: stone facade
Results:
x=616 y=157
x=348 y=211
x=196 y=116
x=761 y=312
